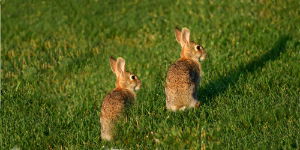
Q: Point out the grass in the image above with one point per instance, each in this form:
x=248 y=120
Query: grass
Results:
x=55 y=73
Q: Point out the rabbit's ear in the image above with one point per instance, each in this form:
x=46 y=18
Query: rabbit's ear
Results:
x=185 y=36
x=120 y=66
x=178 y=35
x=113 y=64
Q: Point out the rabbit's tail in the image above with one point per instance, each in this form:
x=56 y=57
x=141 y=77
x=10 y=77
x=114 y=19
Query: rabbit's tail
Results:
x=106 y=129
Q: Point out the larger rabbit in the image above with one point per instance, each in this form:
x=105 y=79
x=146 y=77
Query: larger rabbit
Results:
x=119 y=99
x=183 y=76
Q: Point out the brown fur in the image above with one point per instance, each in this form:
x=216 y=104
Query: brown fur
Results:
x=113 y=107
x=183 y=76
x=116 y=102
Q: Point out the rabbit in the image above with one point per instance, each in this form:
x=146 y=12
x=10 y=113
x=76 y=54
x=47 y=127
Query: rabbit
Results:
x=119 y=99
x=183 y=76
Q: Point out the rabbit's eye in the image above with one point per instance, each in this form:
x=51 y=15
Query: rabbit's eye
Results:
x=198 y=47
x=132 y=77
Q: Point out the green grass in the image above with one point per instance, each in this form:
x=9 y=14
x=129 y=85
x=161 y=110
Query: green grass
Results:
x=55 y=73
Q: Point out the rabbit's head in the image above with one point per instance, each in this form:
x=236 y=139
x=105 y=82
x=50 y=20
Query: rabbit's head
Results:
x=189 y=49
x=125 y=80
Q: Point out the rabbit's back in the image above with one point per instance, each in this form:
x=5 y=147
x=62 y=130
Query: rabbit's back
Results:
x=115 y=102
x=183 y=72
x=181 y=84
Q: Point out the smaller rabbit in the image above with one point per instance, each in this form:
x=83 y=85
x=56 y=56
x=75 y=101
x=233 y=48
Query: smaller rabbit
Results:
x=119 y=99
x=183 y=76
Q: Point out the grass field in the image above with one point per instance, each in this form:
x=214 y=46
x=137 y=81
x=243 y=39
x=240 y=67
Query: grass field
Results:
x=55 y=73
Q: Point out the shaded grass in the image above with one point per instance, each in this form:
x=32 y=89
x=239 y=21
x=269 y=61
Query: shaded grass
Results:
x=214 y=89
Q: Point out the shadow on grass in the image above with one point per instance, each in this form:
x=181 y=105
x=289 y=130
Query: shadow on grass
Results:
x=220 y=85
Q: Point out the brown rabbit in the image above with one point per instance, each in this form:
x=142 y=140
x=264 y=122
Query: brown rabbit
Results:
x=119 y=99
x=183 y=76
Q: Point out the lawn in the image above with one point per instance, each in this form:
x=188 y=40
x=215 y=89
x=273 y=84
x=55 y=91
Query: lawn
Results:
x=55 y=72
